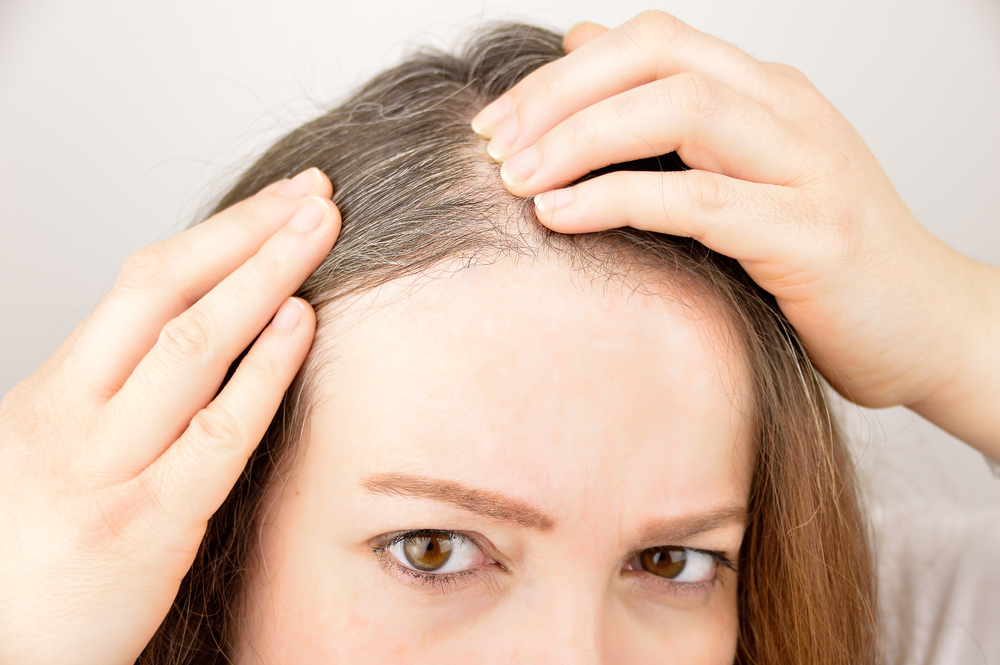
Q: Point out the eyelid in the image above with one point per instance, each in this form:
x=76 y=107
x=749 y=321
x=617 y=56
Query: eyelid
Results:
x=386 y=540
x=658 y=586
x=446 y=582
x=462 y=553
x=443 y=582
x=720 y=559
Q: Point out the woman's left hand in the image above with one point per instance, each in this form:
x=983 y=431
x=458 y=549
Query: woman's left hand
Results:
x=781 y=182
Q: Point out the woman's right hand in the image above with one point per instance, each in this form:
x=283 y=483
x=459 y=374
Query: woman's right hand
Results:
x=117 y=451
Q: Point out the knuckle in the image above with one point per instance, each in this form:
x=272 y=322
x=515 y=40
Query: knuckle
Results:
x=261 y=369
x=796 y=90
x=145 y=268
x=269 y=262
x=550 y=85
x=258 y=213
x=698 y=95
x=117 y=511
x=26 y=421
x=788 y=70
x=665 y=100
x=837 y=223
x=186 y=337
x=581 y=131
x=120 y=511
x=820 y=109
x=807 y=213
x=252 y=211
x=658 y=26
x=797 y=74
x=712 y=195
x=215 y=428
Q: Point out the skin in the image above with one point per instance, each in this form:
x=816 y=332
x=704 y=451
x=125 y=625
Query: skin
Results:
x=780 y=181
x=517 y=381
x=114 y=454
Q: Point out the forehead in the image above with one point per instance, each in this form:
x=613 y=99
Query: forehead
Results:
x=532 y=379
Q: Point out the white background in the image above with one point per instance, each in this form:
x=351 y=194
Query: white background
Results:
x=120 y=119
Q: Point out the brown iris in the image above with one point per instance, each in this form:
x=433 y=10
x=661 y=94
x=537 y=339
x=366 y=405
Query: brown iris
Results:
x=428 y=551
x=664 y=561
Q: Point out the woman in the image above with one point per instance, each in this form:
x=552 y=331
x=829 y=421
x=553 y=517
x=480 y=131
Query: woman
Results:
x=132 y=523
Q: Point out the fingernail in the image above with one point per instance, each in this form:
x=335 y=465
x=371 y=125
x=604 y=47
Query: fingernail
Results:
x=519 y=168
x=303 y=184
x=490 y=118
x=288 y=315
x=503 y=139
x=309 y=216
x=554 y=200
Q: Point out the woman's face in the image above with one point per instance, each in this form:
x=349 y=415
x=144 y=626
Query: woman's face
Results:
x=512 y=465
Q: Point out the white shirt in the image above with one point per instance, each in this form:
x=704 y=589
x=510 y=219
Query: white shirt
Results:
x=939 y=583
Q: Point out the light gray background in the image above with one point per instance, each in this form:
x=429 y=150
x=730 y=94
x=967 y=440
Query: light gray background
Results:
x=119 y=120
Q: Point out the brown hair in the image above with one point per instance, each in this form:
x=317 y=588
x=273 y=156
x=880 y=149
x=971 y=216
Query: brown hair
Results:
x=415 y=190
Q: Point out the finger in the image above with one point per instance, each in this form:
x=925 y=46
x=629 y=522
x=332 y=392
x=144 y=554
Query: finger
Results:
x=192 y=478
x=162 y=280
x=580 y=34
x=710 y=127
x=746 y=221
x=652 y=46
x=181 y=373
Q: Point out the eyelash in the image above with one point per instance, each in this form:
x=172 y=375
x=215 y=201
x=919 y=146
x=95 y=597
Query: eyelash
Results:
x=441 y=582
x=689 y=589
x=445 y=582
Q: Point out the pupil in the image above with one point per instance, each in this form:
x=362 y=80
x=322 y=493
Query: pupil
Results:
x=429 y=551
x=666 y=562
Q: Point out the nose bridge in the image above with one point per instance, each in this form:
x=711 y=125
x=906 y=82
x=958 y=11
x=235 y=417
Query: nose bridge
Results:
x=565 y=624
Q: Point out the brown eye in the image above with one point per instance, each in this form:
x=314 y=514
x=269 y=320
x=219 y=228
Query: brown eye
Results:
x=677 y=564
x=436 y=552
x=428 y=552
x=666 y=562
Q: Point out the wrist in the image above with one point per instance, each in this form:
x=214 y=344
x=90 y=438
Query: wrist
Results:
x=964 y=397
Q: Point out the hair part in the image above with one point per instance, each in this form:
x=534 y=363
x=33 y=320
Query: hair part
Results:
x=415 y=192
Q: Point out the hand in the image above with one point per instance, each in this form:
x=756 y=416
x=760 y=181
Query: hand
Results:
x=116 y=452
x=781 y=182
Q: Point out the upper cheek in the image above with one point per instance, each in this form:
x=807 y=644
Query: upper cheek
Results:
x=312 y=624
x=348 y=623
x=322 y=618
x=703 y=635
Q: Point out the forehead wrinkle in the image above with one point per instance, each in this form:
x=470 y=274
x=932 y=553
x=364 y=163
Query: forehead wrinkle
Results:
x=481 y=502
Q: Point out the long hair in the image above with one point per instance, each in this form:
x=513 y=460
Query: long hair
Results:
x=415 y=190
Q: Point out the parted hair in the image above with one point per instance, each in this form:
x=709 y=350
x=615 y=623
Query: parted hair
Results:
x=415 y=191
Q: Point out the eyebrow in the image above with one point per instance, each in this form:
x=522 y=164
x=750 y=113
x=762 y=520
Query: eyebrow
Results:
x=506 y=509
x=481 y=502
x=684 y=527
